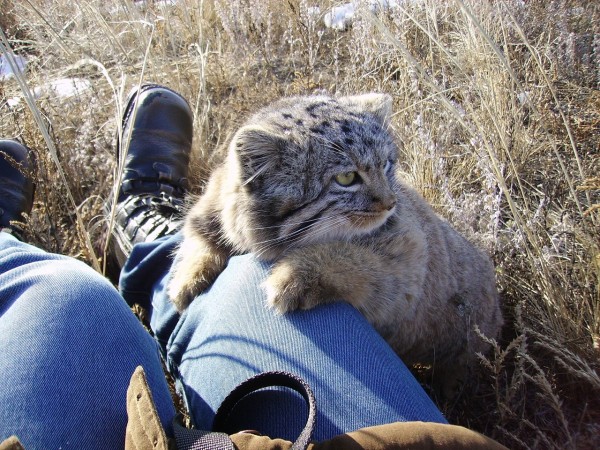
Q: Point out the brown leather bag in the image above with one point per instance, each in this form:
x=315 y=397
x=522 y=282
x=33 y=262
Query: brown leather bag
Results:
x=144 y=431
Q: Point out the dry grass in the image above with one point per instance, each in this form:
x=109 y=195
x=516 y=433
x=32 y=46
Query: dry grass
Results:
x=497 y=107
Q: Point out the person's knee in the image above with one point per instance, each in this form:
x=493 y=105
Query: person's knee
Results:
x=72 y=287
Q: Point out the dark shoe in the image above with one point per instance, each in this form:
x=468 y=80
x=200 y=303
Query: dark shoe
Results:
x=157 y=124
x=17 y=163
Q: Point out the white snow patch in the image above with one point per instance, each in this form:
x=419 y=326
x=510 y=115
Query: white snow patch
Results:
x=341 y=17
x=5 y=68
x=63 y=87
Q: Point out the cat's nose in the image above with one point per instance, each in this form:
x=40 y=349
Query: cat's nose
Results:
x=391 y=204
x=384 y=203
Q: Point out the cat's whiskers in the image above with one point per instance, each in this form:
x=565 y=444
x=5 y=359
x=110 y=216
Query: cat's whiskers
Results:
x=287 y=223
x=273 y=242
x=300 y=234
x=309 y=235
x=281 y=240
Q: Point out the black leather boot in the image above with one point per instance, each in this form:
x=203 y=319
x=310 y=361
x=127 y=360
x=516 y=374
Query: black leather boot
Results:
x=157 y=123
x=17 y=164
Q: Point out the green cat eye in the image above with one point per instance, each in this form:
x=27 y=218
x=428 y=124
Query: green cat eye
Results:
x=346 y=178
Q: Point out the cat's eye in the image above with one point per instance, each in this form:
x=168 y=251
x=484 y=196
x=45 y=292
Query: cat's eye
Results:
x=346 y=178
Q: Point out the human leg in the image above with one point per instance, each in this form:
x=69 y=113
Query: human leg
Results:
x=228 y=334
x=69 y=346
x=69 y=343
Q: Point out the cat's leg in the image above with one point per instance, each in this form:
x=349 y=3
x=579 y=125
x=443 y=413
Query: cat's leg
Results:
x=323 y=273
x=197 y=264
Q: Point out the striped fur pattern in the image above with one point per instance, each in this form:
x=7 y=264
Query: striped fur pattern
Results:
x=310 y=183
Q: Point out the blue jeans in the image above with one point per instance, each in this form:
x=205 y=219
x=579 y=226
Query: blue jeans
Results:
x=69 y=344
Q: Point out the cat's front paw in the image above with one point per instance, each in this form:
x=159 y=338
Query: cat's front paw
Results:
x=192 y=275
x=290 y=288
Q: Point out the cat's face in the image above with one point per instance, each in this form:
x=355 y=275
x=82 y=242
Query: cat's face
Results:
x=315 y=169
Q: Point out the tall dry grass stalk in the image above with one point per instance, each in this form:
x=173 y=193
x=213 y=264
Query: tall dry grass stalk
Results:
x=497 y=110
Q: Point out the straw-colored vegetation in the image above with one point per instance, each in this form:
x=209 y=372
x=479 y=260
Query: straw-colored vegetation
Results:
x=497 y=109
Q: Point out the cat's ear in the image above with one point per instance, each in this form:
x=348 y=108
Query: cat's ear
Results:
x=380 y=105
x=257 y=150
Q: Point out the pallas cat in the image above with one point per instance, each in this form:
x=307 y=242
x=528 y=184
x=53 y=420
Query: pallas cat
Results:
x=310 y=183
